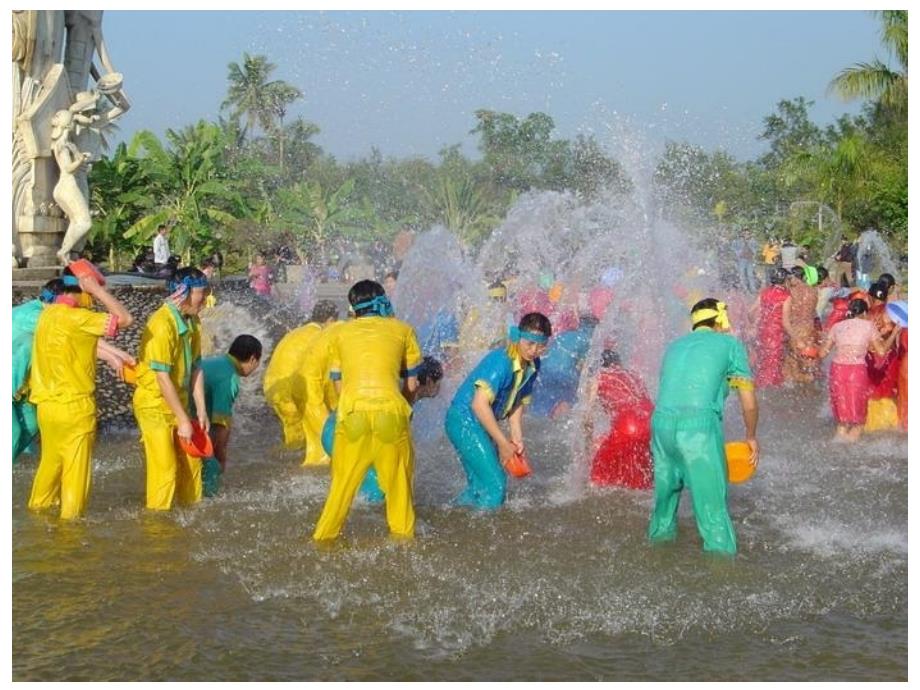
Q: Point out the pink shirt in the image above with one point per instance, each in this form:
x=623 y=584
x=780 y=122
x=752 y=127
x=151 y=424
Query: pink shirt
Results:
x=851 y=339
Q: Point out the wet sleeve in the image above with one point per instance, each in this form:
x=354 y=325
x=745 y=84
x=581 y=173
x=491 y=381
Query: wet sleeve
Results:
x=492 y=376
x=335 y=359
x=161 y=349
x=223 y=394
x=739 y=368
x=413 y=353
x=96 y=322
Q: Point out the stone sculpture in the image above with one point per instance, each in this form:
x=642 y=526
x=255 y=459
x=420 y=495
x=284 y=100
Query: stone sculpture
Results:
x=58 y=125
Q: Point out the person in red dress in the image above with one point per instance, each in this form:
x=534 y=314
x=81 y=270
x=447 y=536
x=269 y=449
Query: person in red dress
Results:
x=767 y=313
x=623 y=457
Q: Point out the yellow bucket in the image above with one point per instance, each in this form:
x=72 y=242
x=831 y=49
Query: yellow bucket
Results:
x=738 y=460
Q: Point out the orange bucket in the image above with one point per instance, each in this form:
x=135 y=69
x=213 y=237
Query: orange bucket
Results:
x=129 y=374
x=200 y=444
x=82 y=268
x=738 y=460
x=517 y=466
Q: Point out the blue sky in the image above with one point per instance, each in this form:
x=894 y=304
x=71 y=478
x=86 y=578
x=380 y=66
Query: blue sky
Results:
x=409 y=82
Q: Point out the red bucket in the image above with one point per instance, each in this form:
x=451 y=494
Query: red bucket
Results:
x=517 y=466
x=199 y=446
x=82 y=268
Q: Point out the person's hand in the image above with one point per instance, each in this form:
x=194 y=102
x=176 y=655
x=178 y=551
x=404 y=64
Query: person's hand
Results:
x=203 y=421
x=518 y=443
x=506 y=451
x=184 y=429
x=90 y=285
x=755 y=451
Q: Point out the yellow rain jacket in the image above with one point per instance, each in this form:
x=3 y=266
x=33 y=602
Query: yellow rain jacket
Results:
x=322 y=397
x=284 y=385
x=63 y=386
x=369 y=355
x=170 y=343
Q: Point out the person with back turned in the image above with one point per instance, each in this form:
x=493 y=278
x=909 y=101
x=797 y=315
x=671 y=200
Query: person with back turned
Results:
x=687 y=443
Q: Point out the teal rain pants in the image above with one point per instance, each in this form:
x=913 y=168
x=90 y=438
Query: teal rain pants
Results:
x=690 y=451
x=486 y=480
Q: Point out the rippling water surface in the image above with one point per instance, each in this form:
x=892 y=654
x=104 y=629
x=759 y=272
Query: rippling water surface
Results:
x=560 y=584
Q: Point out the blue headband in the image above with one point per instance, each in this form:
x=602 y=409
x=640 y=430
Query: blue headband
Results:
x=515 y=334
x=380 y=306
x=70 y=280
x=47 y=296
x=189 y=282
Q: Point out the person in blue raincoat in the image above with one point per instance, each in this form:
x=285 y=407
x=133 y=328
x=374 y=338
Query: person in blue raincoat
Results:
x=560 y=369
x=498 y=388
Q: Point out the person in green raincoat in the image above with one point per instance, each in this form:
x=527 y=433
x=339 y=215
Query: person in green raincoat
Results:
x=687 y=442
x=221 y=387
x=25 y=318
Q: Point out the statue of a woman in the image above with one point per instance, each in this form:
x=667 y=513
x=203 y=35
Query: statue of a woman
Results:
x=67 y=193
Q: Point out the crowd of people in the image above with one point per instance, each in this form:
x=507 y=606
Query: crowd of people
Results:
x=344 y=390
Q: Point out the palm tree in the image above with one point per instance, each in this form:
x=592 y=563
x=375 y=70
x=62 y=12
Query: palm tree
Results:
x=252 y=95
x=280 y=95
x=875 y=79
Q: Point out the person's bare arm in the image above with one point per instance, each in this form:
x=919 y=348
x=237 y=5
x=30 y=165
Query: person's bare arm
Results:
x=89 y=285
x=198 y=397
x=749 y=412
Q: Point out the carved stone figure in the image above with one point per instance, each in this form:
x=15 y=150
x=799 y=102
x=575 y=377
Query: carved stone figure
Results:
x=67 y=193
x=58 y=123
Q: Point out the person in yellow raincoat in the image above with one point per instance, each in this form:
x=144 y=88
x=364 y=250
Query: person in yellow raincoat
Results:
x=284 y=384
x=372 y=428
x=167 y=370
x=322 y=397
x=62 y=382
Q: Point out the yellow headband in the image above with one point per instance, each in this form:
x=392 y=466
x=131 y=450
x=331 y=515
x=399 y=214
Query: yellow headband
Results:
x=720 y=314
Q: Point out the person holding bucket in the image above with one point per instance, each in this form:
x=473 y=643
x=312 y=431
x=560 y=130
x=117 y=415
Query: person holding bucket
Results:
x=168 y=370
x=221 y=387
x=687 y=441
x=499 y=387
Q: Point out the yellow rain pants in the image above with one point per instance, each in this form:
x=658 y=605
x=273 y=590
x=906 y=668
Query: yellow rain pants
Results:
x=170 y=472
x=372 y=427
x=63 y=386
x=284 y=386
x=68 y=433
x=365 y=438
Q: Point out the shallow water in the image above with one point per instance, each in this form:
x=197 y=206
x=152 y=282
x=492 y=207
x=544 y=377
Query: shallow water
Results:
x=560 y=584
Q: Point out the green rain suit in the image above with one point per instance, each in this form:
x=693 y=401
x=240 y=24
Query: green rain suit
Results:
x=687 y=443
x=25 y=421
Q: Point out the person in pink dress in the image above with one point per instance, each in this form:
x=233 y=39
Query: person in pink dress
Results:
x=260 y=276
x=767 y=313
x=848 y=383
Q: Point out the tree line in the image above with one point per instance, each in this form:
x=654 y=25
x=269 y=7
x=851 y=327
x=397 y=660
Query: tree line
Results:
x=252 y=180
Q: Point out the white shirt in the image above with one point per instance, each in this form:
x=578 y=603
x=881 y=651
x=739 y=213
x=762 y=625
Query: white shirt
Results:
x=160 y=249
